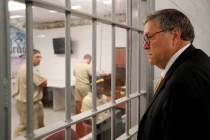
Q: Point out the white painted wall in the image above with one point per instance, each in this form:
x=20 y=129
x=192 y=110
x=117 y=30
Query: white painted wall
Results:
x=198 y=13
x=53 y=66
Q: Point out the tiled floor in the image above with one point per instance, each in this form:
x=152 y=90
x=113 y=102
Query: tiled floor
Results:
x=50 y=116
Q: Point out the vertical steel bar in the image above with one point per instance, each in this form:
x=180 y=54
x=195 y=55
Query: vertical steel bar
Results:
x=94 y=32
x=128 y=19
x=5 y=78
x=113 y=77
x=68 y=91
x=29 y=68
x=139 y=65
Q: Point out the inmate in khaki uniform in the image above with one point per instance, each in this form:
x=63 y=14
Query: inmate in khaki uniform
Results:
x=87 y=104
x=82 y=73
x=20 y=96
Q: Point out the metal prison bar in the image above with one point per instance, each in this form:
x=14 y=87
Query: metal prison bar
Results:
x=70 y=120
x=113 y=80
x=94 y=21
x=5 y=86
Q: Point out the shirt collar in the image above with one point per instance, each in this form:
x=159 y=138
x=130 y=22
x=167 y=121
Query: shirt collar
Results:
x=173 y=59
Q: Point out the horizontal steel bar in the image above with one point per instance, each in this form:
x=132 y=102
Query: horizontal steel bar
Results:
x=62 y=9
x=40 y=133
x=132 y=132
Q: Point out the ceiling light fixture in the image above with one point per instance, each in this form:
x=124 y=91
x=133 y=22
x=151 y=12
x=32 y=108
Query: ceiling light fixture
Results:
x=16 y=16
x=41 y=36
x=52 y=11
x=16 y=6
x=107 y=2
x=76 y=7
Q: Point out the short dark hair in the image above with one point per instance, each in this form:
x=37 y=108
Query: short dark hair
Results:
x=35 y=51
x=87 y=56
x=170 y=18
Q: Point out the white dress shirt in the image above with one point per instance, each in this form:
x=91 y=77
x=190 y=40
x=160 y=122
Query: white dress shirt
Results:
x=173 y=59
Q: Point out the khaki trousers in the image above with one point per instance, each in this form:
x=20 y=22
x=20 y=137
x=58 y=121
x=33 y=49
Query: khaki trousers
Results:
x=38 y=116
x=81 y=92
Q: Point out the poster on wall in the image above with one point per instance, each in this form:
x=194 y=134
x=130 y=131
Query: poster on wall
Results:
x=18 y=42
x=17 y=50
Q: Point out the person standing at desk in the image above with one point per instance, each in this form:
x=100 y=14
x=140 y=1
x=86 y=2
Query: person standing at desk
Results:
x=20 y=95
x=82 y=73
x=180 y=109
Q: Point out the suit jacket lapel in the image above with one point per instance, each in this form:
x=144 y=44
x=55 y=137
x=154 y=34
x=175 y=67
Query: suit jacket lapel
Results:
x=169 y=73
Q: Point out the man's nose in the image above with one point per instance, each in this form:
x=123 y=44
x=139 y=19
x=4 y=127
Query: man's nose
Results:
x=146 y=45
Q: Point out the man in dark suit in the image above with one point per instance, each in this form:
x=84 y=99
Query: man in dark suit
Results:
x=180 y=109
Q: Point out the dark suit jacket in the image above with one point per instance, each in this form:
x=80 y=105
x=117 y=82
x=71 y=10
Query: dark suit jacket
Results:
x=180 y=109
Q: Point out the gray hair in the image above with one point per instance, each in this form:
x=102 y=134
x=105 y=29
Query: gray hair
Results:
x=172 y=18
x=35 y=51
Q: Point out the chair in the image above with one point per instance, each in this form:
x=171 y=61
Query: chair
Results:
x=83 y=129
x=60 y=135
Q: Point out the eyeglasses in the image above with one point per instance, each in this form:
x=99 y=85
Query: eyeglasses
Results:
x=148 y=38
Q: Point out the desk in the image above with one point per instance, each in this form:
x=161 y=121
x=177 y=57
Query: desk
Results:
x=120 y=87
x=58 y=90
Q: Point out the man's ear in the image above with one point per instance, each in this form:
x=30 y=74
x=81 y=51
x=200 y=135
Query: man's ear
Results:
x=176 y=36
x=176 y=33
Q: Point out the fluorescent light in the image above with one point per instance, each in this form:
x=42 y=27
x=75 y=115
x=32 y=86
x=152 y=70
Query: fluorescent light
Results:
x=16 y=16
x=107 y=2
x=16 y=6
x=41 y=36
x=76 y=7
x=52 y=11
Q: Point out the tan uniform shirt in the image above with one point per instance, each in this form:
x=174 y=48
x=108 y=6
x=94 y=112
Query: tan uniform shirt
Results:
x=82 y=73
x=20 y=92
x=87 y=104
